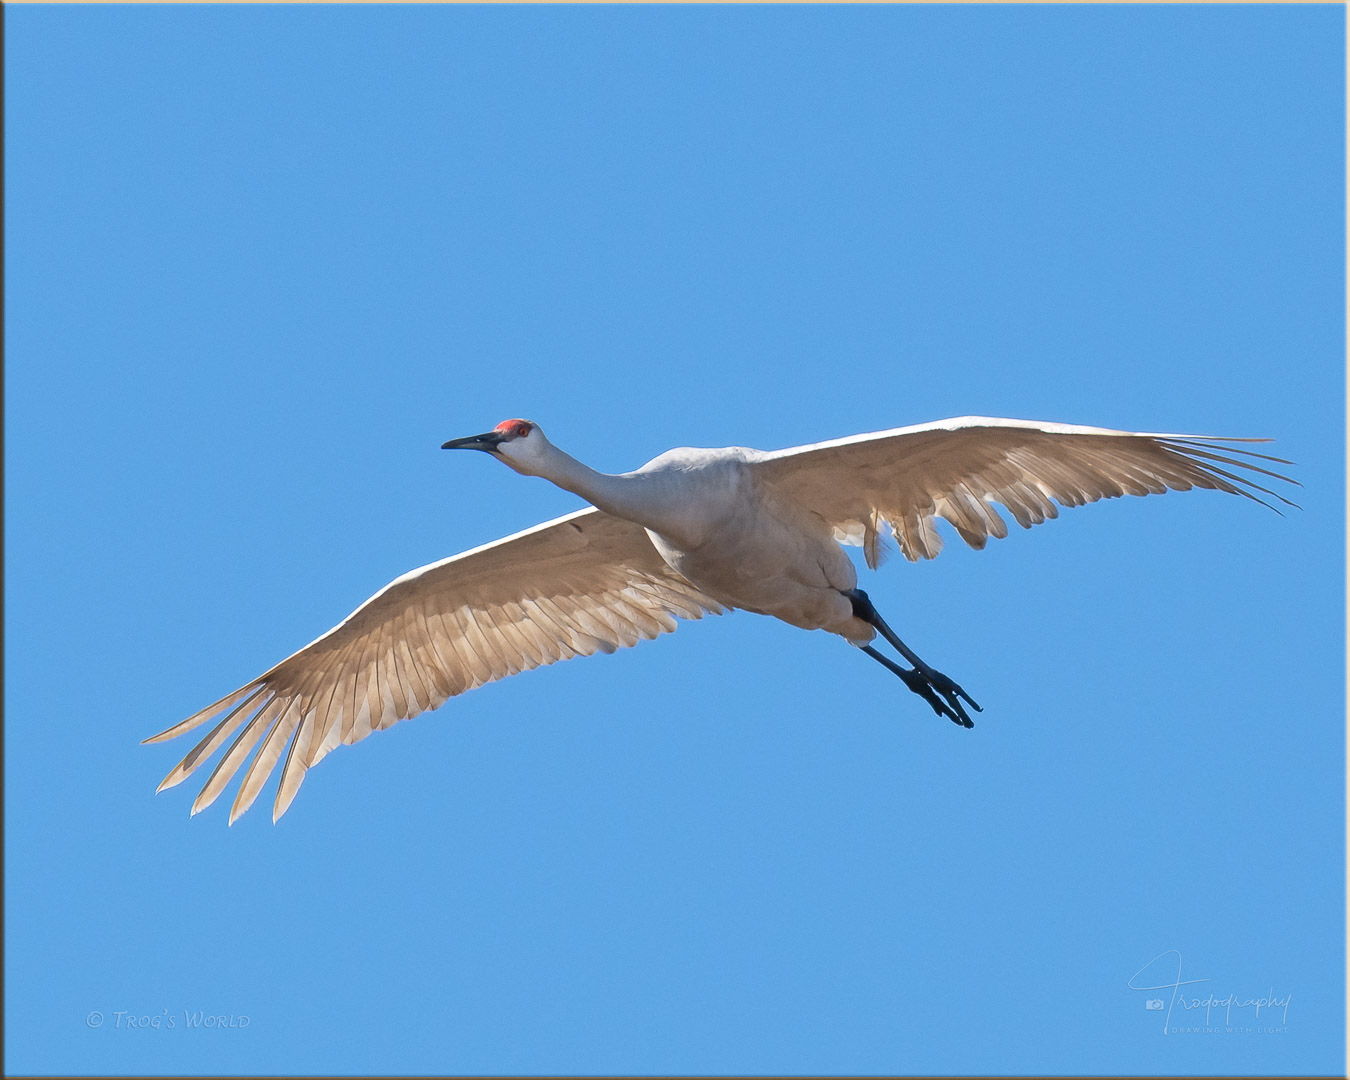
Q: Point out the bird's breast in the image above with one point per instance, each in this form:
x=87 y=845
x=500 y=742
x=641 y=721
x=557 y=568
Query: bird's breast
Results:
x=775 y=560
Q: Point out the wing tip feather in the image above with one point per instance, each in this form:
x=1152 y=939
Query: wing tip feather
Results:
x=171 y=780
x=200 y=717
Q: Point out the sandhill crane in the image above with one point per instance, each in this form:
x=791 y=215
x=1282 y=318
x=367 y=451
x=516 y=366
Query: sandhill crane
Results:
x=691 y=532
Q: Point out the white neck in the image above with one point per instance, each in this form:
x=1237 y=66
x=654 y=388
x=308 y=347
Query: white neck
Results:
x=617 y=495
x=646 y=498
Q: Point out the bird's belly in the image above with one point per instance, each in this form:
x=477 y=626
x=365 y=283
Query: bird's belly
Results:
x=794 y=577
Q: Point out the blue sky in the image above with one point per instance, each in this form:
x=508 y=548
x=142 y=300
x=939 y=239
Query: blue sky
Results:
x=262 y=261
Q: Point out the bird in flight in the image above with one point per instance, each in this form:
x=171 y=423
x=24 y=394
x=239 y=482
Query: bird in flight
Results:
x=692 y=532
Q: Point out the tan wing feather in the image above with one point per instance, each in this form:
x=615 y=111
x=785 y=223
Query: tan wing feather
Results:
x=958 y=469
x=585 y=583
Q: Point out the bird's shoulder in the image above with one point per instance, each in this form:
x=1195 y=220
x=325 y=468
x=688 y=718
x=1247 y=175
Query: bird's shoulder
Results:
x=698 y=458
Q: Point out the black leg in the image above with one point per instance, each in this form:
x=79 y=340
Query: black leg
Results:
x=864 y=609
x=920 y=685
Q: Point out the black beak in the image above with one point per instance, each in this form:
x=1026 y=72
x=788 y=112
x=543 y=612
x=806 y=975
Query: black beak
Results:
x=488 y=441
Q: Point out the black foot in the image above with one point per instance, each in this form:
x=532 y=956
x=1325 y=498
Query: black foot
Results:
x=931 y=678
x=920 y=683
x=950 y=690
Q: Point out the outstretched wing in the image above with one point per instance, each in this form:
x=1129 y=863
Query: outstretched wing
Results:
x=957 y=469
x=588 y=582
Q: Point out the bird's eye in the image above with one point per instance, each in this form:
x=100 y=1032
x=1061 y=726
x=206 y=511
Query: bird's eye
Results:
x=523 y=430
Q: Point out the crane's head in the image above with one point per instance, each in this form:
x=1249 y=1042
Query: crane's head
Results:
x=518 y=443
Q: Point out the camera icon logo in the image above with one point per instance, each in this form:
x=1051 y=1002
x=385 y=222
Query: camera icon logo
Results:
x=1154 y=1004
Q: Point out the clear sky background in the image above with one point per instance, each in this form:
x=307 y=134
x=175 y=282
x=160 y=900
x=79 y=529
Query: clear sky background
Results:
x=262 y=261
